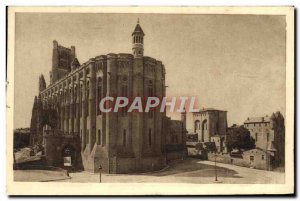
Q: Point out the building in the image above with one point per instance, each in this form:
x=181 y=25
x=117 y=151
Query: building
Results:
x=176 y=133
x=209 y=122
x=269 y=134
x=119 y=142
x=259 y=159
x=261 y=131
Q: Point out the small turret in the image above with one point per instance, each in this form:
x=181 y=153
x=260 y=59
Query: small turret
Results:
x=138 y=41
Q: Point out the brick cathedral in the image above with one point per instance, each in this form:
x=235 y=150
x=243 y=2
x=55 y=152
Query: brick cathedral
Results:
x=72 y=126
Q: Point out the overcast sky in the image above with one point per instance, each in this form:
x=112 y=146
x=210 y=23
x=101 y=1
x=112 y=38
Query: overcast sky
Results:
x=229 y=62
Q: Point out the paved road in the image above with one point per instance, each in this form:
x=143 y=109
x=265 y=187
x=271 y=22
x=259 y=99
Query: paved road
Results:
x=189 y=171
x=39 y=175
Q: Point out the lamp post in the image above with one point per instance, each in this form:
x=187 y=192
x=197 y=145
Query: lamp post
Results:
x=216 y=172
x=100 y=168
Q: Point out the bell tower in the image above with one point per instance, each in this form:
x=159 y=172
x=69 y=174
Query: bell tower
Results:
x=138 y=41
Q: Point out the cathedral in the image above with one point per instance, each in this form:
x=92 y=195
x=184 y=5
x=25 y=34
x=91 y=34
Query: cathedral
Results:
x=74 y=130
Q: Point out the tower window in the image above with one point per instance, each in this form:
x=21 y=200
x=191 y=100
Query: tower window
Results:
x=124 y=137
x=150 y=136
x=103 y=139
x=255 y=137
x=268 y=137
x=99 y=137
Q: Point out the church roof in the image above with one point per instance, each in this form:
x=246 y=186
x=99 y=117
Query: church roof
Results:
x=138 y=29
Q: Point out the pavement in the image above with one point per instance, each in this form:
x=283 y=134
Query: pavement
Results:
x=187 y=171
x=39 y=175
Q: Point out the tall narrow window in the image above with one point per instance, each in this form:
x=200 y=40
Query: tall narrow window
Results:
x=87 y=98
x=150 y=136
x=124 y=137
x=99 y=137
x=75 y=102
x=81 y=105
x=103 y=140
x=99 y=94
x=268 y=137
x=150 y=94
x=124 y=94
x=255 y=137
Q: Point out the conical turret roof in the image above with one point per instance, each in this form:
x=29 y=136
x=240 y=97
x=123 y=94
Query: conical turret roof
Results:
x=138 y=30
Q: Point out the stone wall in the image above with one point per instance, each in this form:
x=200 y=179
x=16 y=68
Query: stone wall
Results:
x=244 y=159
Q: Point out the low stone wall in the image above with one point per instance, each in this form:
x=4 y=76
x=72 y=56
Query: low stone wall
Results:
x=239 y=161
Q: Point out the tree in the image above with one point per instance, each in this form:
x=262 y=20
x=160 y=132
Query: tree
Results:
x=239 y=138
x=50 y=117
x=277 y=120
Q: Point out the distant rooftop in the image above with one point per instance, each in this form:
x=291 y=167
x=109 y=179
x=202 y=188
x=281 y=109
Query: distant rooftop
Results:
x=209 y=109
x=257 y=119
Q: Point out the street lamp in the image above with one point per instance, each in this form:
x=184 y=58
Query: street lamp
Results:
x=100 y=168
x=216 y=172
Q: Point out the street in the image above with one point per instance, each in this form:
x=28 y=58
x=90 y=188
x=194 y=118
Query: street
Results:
x=187 y=171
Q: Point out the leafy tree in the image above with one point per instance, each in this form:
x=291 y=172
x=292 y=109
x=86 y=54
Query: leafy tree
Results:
x=50 y=117
x=239 y=138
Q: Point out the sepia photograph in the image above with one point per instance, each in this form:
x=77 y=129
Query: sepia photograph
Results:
x=170 y=101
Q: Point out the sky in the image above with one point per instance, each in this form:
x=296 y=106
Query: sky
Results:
x=228 y=62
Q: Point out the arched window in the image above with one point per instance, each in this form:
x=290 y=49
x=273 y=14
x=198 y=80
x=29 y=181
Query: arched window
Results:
x=197 y=125
x=204 y=127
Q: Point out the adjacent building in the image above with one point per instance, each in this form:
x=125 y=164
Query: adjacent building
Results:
x=176 y=134
x=209 y=122
x=269 y=134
